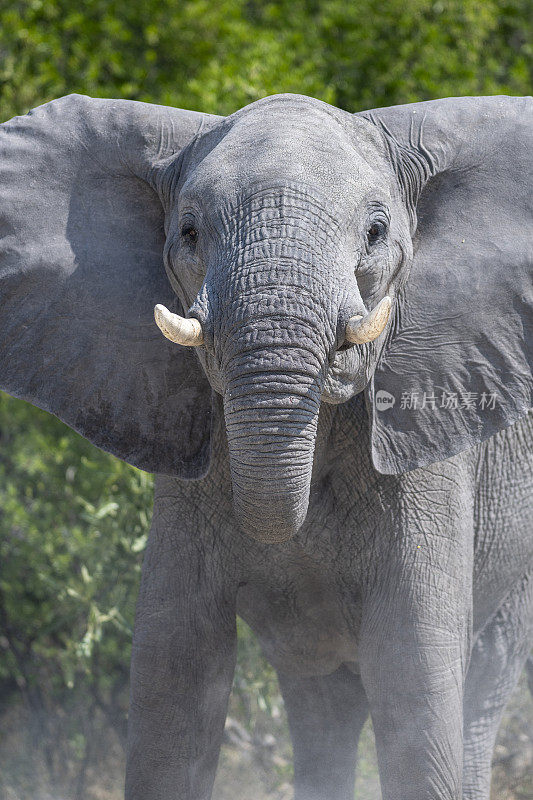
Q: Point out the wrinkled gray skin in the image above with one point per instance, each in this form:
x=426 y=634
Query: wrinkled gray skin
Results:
x=395 y=589
x=408 y=596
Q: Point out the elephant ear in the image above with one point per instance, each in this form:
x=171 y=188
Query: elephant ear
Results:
x=81 y=267
x=457 y=367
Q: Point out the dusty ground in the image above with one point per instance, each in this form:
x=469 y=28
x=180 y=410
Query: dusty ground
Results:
x=245 y=775
x=257 y=765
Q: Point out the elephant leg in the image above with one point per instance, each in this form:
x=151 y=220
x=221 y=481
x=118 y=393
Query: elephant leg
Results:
x=498 y=657
x=415 y=626
x=182 y=662
x=326 y=715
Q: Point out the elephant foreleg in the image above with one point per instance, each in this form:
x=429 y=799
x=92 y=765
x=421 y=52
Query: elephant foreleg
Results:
x=182 y=665
x=415 y=629
x=326 y=715
x=497 y=659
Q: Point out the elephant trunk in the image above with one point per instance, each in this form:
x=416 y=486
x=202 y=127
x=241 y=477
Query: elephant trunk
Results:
x=271 y=416
x=271 y=446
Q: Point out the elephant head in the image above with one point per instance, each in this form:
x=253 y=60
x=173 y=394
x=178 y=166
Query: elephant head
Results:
x=311 y=254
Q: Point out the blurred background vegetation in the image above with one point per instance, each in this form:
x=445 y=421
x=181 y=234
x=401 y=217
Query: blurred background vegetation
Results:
x=73 y=520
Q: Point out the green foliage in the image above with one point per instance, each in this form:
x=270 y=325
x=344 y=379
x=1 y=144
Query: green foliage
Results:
x=217 y=57
x=255 y=684
x=73 y=520
x=73 y=524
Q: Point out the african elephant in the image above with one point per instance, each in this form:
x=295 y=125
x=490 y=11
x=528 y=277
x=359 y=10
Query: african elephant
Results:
x=339 y=422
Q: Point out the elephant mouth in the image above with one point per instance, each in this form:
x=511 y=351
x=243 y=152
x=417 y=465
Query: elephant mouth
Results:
x=349 y=374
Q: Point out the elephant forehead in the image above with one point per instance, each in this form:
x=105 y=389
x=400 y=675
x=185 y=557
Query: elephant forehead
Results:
x=300 y=145
x=293 y=204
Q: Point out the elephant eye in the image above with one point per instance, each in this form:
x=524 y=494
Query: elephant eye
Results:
x=189 y=233
x=376 y=231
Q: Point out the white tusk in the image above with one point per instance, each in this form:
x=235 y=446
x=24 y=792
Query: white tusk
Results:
x=187 y=332
x=360 y=330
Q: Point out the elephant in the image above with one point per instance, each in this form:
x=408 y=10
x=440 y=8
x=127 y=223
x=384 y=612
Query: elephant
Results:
x=337 y=413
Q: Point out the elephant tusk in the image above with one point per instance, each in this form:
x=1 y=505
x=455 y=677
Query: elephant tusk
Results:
x=187 y=332
x=360 y=330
